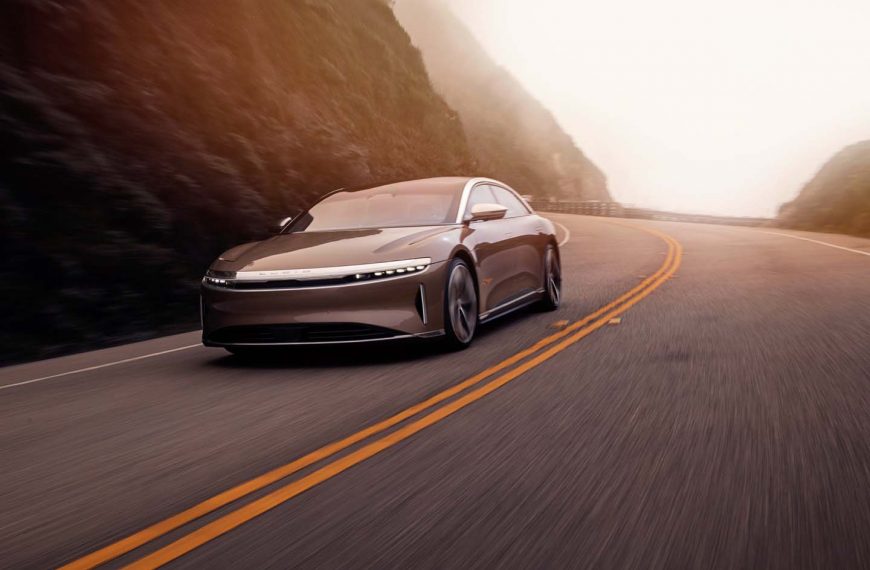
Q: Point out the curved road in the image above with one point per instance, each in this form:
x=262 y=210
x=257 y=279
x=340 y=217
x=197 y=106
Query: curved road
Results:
x=715 y=417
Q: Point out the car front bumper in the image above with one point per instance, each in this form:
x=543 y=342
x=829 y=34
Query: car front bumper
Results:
x=384 y=309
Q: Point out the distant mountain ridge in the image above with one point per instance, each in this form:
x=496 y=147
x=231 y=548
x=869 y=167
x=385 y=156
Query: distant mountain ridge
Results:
x=512 y=136
x=837 y=199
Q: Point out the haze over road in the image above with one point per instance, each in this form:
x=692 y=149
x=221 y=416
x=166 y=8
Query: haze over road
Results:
x=723 y=423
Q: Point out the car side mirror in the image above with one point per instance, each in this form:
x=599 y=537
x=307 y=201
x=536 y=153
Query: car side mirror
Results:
x=277 y=228
x=480 y=212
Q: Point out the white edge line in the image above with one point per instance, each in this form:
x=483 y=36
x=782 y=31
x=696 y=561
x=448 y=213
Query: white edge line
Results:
x=817 y=241
x=567 y=233
x=89 y=368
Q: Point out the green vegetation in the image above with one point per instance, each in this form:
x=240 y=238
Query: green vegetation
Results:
x=837 y=199
x=512 y=135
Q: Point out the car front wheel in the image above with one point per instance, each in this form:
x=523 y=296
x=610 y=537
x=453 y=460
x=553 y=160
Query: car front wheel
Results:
x=460 y=306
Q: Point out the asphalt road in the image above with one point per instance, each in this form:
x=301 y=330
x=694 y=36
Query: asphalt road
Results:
x=721 y=421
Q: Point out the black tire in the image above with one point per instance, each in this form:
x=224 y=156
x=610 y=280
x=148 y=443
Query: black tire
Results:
x=552 y=280
x=460 y=306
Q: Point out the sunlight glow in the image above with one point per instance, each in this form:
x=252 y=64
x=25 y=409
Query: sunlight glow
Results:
x=725 y=108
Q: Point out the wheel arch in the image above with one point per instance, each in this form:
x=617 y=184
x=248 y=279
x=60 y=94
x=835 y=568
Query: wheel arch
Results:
x=551 y=240
x=466 y=256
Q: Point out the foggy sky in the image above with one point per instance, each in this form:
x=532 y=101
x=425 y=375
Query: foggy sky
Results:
x=695 y=106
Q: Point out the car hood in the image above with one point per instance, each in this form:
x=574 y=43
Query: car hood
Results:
x=336 y=248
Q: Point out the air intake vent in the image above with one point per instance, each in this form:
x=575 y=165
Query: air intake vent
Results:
x=301 y=333
x=420 y=304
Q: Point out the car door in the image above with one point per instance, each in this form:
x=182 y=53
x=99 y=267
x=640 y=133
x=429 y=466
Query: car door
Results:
x=489 y=241
x=523 y=242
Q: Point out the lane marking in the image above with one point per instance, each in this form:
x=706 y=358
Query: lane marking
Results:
x=256 y=508
x=816 y=241
x=161 y=528
x=566 y=230
x=97 y=367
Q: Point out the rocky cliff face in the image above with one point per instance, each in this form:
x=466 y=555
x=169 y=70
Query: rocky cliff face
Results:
x=837 y=199
x=512 y=135
x=140 y=139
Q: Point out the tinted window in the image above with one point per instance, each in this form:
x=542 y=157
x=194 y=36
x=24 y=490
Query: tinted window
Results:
x=509 y=200
x=385 y=206
x=480 y=194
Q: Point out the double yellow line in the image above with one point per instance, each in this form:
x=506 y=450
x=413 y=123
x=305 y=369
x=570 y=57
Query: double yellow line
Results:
x=539 y=352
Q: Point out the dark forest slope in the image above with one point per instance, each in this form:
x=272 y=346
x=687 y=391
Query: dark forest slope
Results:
x=139 y=139
x=514 y=137
x=837 y=199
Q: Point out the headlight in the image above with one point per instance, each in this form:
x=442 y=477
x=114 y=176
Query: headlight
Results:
x=392 y=271
x=341 y=273
x=220 y=278
x=314 y=277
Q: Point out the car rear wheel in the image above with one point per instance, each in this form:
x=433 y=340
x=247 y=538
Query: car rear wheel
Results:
x=460 y=306
x=552 y=280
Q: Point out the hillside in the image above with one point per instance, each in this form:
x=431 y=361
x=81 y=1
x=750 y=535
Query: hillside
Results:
x=837 y=199
x=140 y=139
x=512 y=135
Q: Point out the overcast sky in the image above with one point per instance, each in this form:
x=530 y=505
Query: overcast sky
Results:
x=691 y=105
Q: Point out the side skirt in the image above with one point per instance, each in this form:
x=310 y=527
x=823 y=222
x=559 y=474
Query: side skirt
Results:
x=511 y=306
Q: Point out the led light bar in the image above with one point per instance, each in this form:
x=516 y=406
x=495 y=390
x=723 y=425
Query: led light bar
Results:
x=219 y=278
x=410 y=268
x=354 y=272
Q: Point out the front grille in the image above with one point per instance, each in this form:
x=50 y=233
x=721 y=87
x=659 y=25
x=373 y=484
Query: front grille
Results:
x=311 y=332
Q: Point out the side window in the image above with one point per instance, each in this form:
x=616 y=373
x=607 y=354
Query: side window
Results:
x=480 y=194
x=507 y=199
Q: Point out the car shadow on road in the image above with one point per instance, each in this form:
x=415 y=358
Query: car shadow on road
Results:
x=332 y=356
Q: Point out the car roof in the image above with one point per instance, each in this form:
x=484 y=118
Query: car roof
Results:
x=440 y=182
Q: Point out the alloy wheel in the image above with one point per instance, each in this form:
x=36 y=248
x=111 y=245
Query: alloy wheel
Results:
x=553 y=276
x=462 y=303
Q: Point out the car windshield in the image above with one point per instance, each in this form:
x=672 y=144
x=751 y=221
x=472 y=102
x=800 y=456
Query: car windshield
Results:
x=385 y=206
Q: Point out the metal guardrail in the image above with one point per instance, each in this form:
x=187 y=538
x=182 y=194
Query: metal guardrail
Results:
x=617 y=210
x=591 y=208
